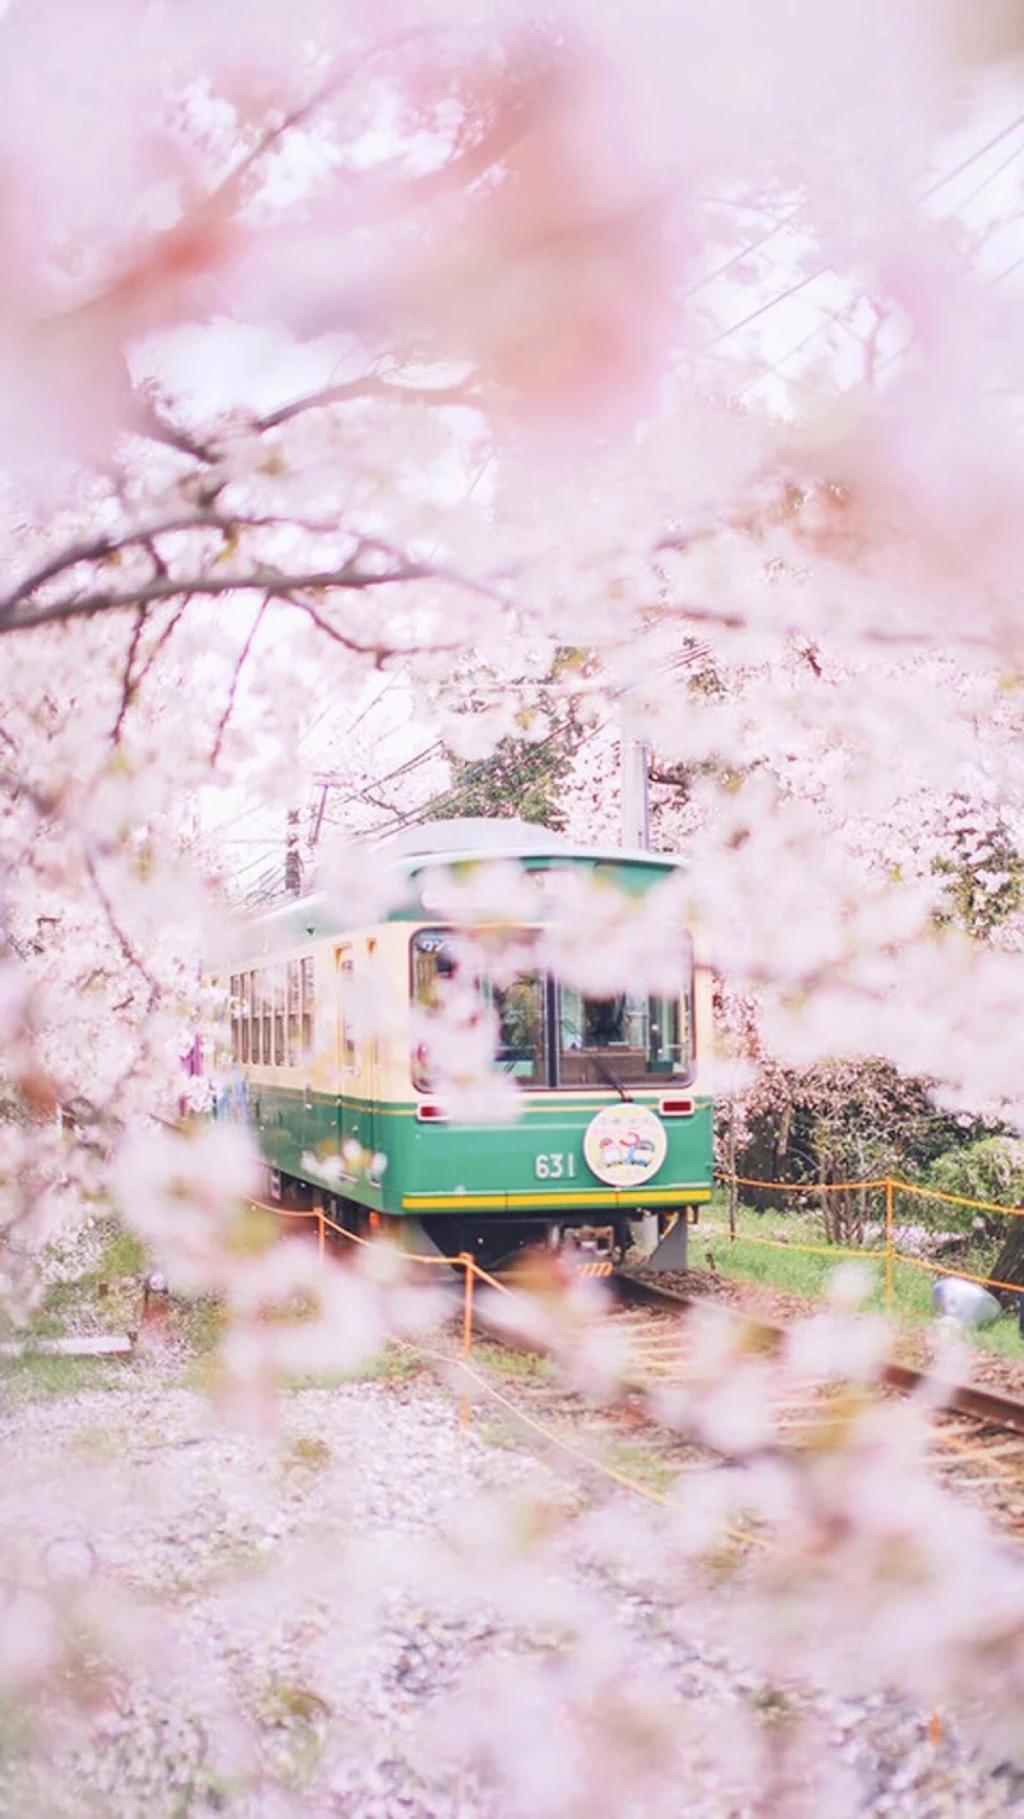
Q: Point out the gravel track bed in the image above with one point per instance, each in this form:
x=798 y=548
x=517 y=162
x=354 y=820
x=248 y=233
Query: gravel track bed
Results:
x=342 y=1682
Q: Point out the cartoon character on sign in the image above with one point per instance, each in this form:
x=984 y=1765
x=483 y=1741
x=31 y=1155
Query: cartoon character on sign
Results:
x=639 y=1151
x=630 y=1150
x=625 y=1145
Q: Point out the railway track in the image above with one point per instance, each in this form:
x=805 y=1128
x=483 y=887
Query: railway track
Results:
x=977 y=1437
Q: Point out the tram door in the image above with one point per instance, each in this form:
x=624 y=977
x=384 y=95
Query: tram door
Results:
x=344 y=989
x=356 y=1054
x=371 y=1052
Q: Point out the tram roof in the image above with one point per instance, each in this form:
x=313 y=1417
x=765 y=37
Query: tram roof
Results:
x=443 y=844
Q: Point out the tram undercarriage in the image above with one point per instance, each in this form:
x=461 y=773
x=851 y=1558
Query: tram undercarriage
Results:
x=657 y=1239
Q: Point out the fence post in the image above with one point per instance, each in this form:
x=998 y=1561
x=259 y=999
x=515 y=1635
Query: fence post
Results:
x=321 y=1235
x=888 y=1244
x=733 y=1190
x=469 y=1272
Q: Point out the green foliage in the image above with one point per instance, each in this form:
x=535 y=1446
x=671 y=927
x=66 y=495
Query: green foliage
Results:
x=522 y=777
x=105 y=1298
x=983 y=870
x=992 y=1169
x=641 y=1463
x=844 y=1120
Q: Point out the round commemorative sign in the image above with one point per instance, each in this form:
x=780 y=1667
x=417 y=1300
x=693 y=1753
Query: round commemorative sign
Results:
x=625 y=1144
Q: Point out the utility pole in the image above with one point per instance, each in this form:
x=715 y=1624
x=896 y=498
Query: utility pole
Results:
x=318 y=815
x=634 y=763
x=292 y=855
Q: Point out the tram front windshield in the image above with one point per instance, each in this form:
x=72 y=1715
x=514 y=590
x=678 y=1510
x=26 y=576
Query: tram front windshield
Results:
x=551 y=1035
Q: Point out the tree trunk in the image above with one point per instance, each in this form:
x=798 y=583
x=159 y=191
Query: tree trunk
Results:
x=782 y=1140
x=826 y=1209
x=1009 y=1264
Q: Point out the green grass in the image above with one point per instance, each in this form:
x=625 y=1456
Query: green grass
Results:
x=202 y=1324
x=385 y=1367
x=38 y=1377
x=123 y=1255
x=517 y=1367
x=796 y=1272
x=501 y=1431
x=640 y=1463
x=104 y=1298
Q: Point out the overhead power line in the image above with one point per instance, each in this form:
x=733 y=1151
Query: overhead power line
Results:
x=823 y=271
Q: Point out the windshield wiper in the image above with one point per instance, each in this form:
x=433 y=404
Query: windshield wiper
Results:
x=609 y=1078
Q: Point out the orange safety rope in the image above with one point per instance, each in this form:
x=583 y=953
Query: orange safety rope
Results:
x=570 y=1446
x=324 y=1219
x=462 y=1261
x=784 y=1244
x=891 y=1254
x=472 y=1268
x=903 y=1187
x=981 y=1206
x=492 y=1281
x=943 y=1269
x=342 y=1231
x=804 y=1187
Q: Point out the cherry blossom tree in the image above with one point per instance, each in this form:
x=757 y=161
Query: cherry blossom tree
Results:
x=336 y=341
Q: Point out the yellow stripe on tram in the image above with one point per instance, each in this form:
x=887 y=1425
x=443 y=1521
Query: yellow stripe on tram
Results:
x=656 y=1196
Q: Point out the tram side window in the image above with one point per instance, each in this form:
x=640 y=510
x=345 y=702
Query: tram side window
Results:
x=254 y=1005
x=293 y=1013
x=235 y=1011
x=308 y=987
x=278 y=979
x=266 y=1016
x=346 y=1024
x=245 y=1015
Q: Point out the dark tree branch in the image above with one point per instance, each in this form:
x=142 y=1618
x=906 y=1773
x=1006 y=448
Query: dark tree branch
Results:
x=102 y=548
x=259 y=580
x=235 y=679
x=159 y=565
x=160 y=642
x=150 y=422
x=368 y=387
x=19 y=612
x=128 y=683
x=378 y=651
x=128 y=951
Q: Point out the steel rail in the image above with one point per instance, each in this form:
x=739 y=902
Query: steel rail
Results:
x=989 y=1407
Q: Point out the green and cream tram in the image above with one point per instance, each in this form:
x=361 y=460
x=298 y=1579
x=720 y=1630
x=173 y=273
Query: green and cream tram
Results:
x=610 y=1119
